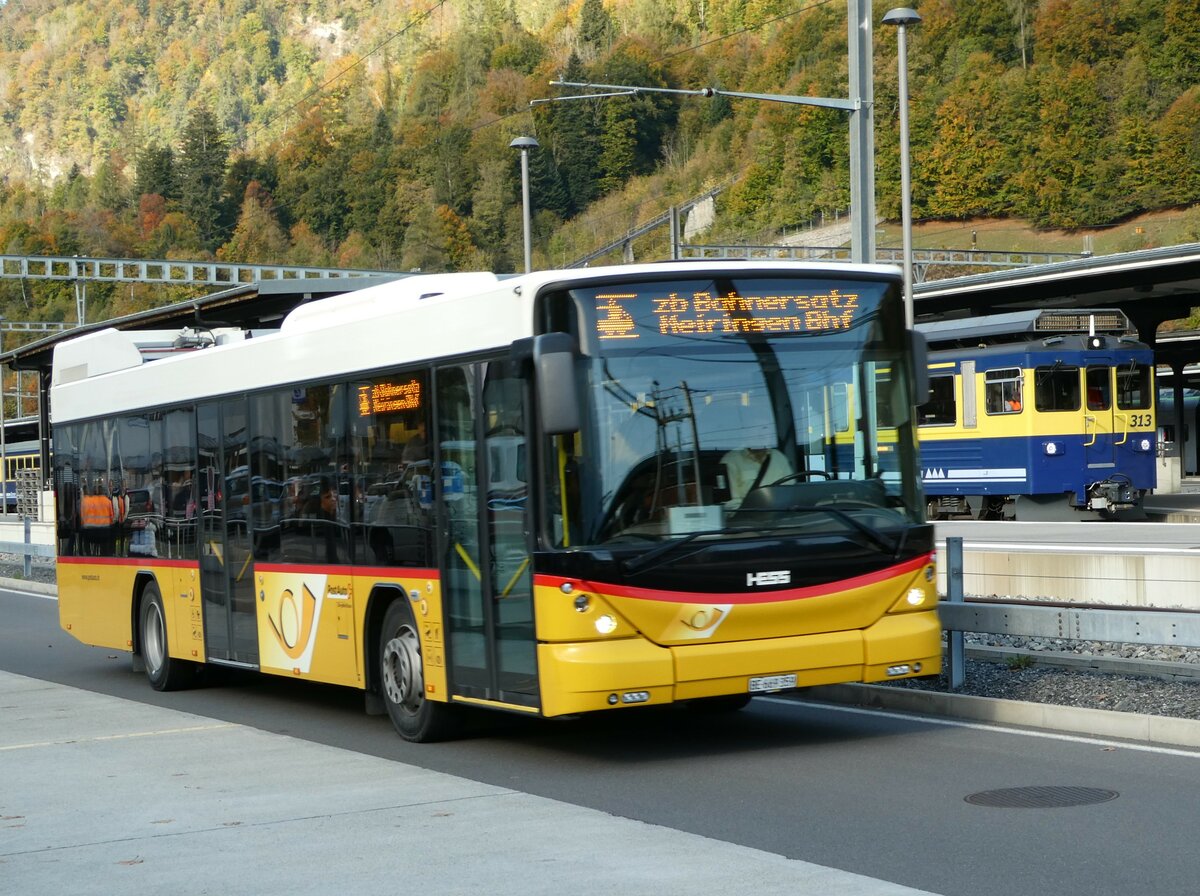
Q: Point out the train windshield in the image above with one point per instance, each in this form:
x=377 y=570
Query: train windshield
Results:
x=728 y=406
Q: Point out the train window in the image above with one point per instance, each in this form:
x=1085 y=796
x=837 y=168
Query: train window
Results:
x=1002 y=391
x=841 y=408
x=1056 y=388
x=940 y=410
x=891 y=403
x=1134 y=389
x=1099 y=397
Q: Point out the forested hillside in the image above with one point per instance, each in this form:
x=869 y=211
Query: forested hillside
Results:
x=376 y=135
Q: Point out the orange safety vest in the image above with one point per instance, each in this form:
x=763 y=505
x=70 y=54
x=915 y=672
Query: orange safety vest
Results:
x=96 y=511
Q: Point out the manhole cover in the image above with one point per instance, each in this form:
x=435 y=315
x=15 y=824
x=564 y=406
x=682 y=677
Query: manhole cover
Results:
x=1041 y=797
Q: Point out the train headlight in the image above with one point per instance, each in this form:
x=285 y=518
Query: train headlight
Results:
x=1143 y=444
x=1054 y=449
x=916 y=597
x=606 y=625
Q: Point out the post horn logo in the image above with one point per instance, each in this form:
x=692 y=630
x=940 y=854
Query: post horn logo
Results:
x=292 y=621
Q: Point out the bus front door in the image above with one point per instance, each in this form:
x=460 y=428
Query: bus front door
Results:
x=226 y=576
x=487 y=582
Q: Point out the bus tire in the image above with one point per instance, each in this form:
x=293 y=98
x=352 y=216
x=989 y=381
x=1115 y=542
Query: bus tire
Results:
x=164 y=672
x=402 y=680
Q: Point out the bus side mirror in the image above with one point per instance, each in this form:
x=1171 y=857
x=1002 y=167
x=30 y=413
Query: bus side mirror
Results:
x=920 y=358
x=554 y=372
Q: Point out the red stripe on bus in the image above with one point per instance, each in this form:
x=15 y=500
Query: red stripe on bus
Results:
x=155 y=562
x=757 y=597
x=379 y=572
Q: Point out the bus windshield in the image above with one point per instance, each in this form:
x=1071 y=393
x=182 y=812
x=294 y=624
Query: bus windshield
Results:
x=745 y=404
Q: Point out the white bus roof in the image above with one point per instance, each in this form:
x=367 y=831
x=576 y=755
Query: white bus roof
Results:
x=377 y=327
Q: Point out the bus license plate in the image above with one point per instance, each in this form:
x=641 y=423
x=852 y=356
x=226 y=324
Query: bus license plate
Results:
x=772 y=683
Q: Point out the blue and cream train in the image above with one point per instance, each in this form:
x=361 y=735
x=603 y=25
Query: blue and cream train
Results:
x=1036 y=415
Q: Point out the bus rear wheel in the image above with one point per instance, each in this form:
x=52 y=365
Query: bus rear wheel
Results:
x=402 y=680
x=164 y=672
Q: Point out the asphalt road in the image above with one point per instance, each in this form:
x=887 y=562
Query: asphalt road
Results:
x=878 y=794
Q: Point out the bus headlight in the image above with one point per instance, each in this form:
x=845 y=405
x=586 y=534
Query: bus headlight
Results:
x=915 y=598
x=606 y=624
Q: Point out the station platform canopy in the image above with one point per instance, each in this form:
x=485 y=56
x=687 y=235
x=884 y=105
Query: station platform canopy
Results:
x=250 y=306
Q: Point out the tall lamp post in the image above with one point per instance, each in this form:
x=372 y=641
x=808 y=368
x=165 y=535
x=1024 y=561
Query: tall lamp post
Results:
x=902 y=17
x=525 y=144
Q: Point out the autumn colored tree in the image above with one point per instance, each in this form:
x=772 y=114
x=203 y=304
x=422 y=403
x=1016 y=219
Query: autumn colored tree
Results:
x=963 y=171
x=1066 y=113
x=257 y=238
x=1178 y=59
x=1177 y=161
x=493 y=196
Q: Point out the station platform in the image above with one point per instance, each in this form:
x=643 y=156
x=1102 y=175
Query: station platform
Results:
x=103 y=795
x=1179 y=506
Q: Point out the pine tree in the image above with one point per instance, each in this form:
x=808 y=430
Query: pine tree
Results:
x=546 y=184
x=204 y=152
x=156 y=172
x=617 y=146
x=574 y=124
x=596 y=25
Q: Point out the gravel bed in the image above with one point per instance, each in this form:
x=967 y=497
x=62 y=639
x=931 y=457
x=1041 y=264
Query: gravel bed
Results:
x=1021 y=676
x=1025 y=676
x=41 y=568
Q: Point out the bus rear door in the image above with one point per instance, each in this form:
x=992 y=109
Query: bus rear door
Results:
x=226 y=573
x=487 y=582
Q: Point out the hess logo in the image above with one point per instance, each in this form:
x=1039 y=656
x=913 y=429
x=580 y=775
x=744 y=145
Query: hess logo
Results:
x=769 y=577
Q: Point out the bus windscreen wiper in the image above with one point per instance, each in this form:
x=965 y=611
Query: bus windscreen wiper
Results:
x=878 y=538
x=647 y=560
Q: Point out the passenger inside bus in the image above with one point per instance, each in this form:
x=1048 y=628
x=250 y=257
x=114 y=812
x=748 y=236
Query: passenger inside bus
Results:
x=96 y=516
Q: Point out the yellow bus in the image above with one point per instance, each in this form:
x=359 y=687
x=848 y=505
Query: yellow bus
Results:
x=551 y=494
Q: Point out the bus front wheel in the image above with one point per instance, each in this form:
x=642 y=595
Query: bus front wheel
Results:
x=164 y=672
x=402 y=680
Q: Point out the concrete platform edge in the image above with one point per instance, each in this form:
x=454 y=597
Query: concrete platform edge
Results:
x=1162 y=730
x=46 y=589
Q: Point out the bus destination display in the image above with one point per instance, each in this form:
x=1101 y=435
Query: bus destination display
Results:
x=388 y=398
x=627 y=315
